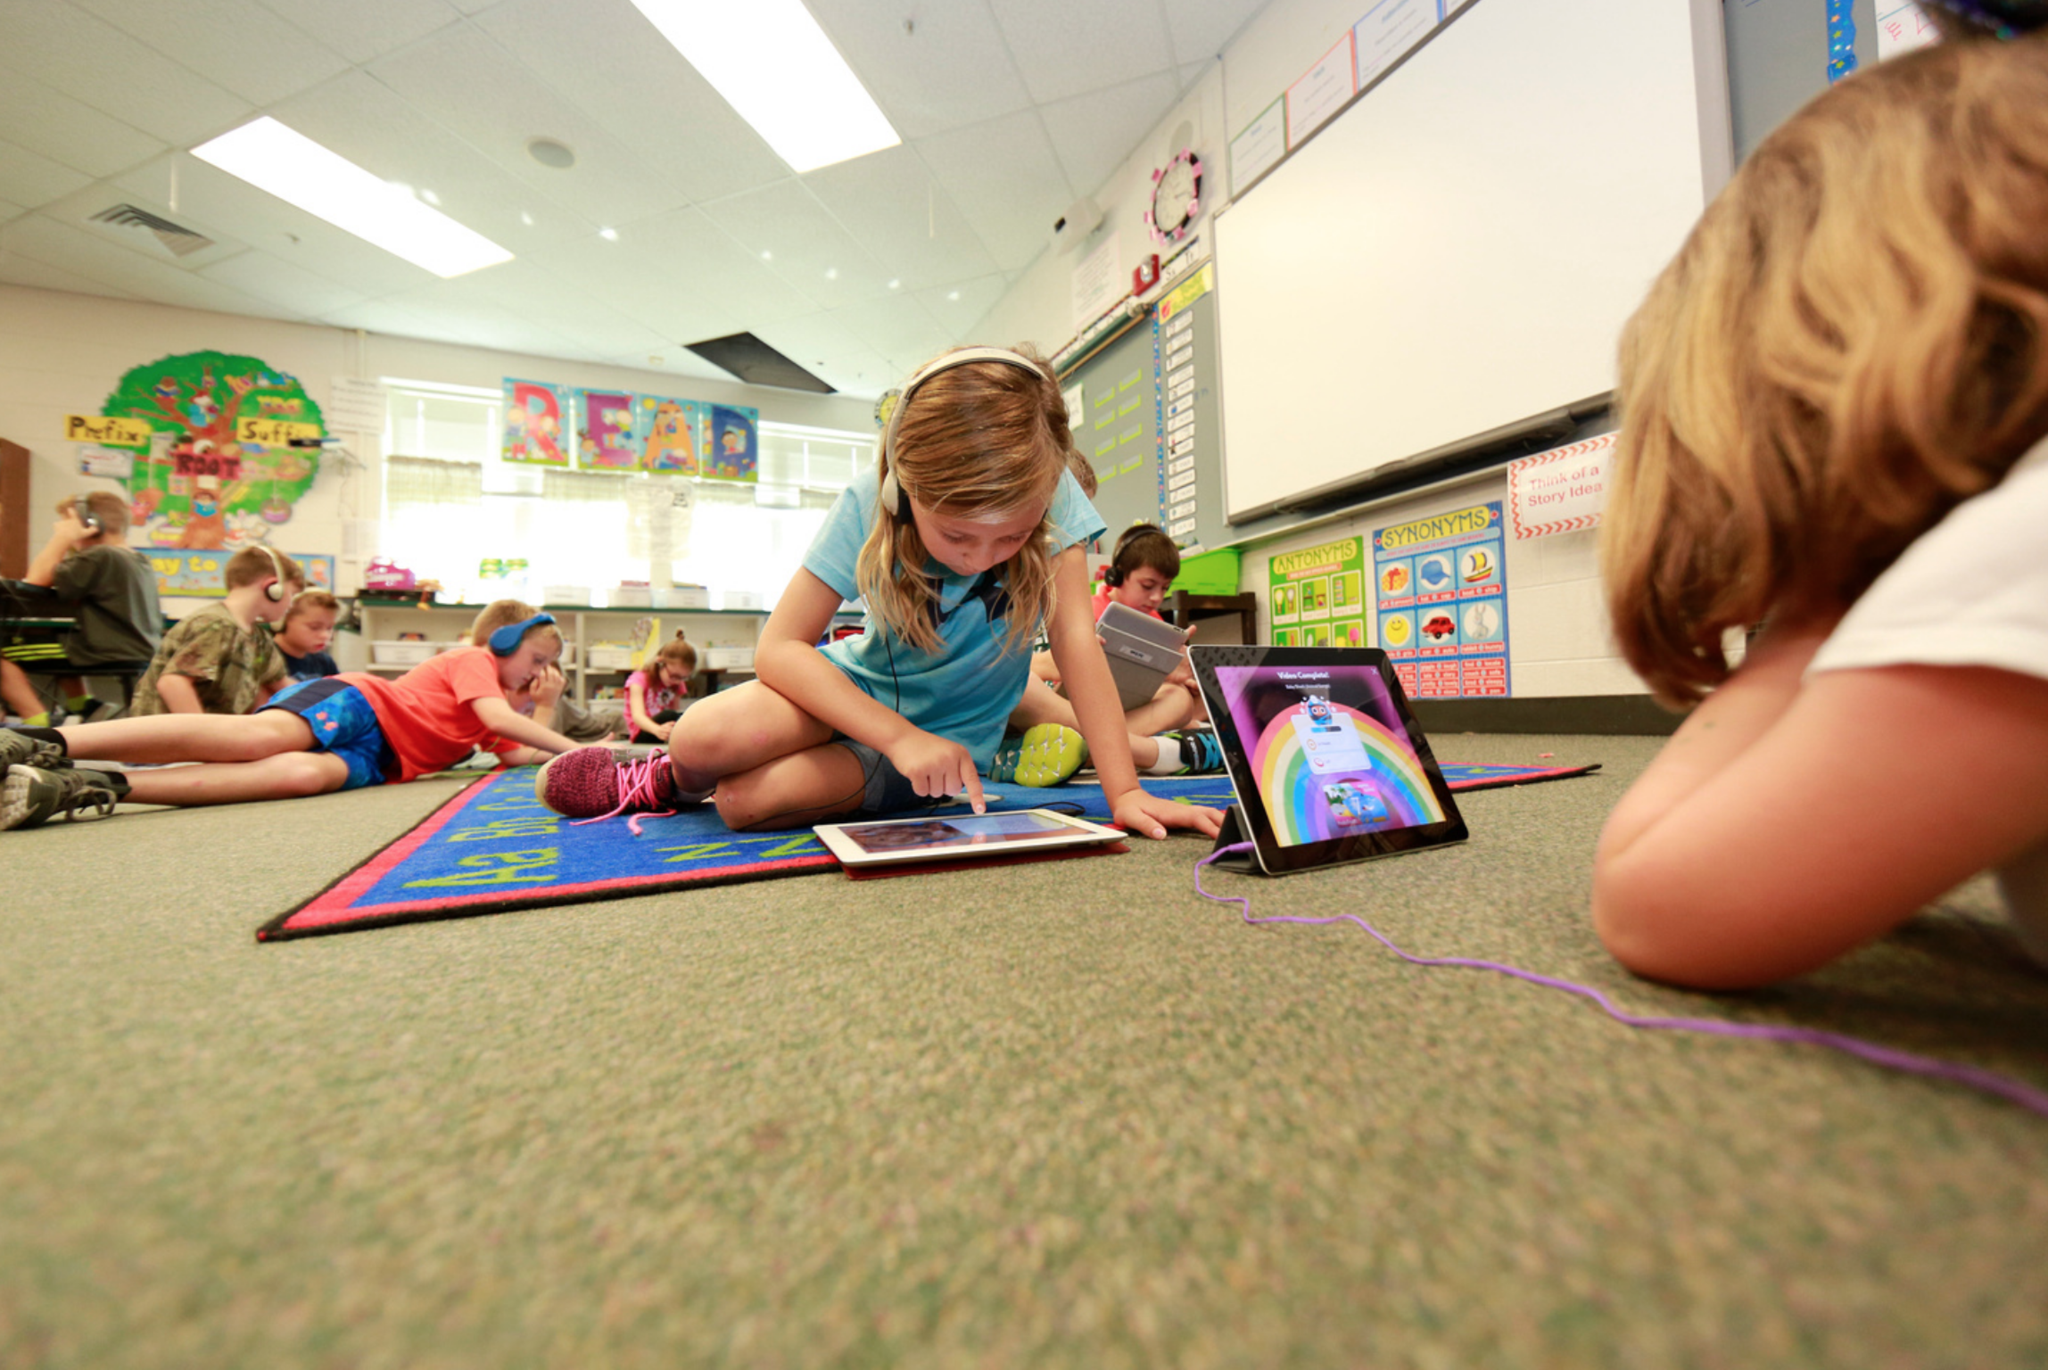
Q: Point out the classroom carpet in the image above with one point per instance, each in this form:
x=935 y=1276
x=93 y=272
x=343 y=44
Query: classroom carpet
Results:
x=495 y=848
x=1060 y=1116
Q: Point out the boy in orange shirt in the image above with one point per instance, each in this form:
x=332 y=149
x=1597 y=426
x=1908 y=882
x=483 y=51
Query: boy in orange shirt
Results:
x=336 y=733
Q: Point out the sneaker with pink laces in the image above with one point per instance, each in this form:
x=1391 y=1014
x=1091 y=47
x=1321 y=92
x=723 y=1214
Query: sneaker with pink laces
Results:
x=601 y=782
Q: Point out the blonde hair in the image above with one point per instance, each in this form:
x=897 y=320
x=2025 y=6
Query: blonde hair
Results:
x=680 y=653
x=309 y=601
x=502 y=613
x=982 y=439
x=1850 y=343
x=252 y=565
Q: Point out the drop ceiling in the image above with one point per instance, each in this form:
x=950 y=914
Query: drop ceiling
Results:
x=1009 y=110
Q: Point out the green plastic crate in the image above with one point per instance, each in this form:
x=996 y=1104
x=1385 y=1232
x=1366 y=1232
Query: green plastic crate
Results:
x=1209 y=573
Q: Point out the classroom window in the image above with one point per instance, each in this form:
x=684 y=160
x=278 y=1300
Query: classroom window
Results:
x=451 y=504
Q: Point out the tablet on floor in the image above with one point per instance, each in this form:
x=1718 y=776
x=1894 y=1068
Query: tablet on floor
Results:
x=1327 y=762
x=889 y=841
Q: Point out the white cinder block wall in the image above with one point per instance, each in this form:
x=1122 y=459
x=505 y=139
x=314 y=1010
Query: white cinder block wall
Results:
x=1558 y=642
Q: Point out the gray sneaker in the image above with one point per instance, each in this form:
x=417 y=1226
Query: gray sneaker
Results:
x=31 y=796
x=17 y=748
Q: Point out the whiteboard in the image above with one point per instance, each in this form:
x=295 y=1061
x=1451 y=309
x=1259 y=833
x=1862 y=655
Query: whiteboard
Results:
x=1459 y=249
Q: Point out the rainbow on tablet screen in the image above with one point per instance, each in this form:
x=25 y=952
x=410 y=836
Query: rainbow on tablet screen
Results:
x=1305 y=805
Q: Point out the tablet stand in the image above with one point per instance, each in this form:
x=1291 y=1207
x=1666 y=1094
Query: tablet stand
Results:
x=1236 y=829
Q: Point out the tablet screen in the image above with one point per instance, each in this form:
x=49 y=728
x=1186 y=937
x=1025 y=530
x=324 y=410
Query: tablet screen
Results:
x=966 y=830
x=1328 y=751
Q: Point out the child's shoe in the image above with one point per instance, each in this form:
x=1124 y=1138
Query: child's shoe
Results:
x=31 y=796
x=599 y=782
x=1045 y=755
x=1200 y=752
x=18 y=748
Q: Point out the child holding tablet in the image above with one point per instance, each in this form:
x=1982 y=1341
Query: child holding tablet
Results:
x=964 y=540
x=1835 y=424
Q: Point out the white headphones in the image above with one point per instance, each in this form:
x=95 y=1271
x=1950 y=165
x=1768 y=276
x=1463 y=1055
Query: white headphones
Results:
x=275 y=591
x=894 y=498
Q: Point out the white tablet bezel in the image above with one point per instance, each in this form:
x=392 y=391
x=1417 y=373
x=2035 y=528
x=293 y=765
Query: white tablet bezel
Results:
x=1086 y=833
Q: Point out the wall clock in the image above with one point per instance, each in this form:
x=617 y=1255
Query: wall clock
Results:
x=1176 y=197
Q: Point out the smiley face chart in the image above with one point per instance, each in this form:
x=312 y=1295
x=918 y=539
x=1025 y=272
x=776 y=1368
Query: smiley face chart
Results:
x=1440 y=599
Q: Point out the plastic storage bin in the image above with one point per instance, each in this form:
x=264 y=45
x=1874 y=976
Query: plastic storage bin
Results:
x=728 y=658
x=565 y=594
x=682 y=597
x=1209 y=573
x=403 y=653
x=606 y=656
x=740 y=599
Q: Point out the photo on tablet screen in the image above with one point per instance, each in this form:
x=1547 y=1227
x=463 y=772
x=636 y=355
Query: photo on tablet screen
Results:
x=1328 y=751
x=967 y=830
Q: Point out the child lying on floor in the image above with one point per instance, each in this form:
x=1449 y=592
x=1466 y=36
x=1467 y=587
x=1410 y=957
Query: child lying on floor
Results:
x=336 y=733
x=1835 y=423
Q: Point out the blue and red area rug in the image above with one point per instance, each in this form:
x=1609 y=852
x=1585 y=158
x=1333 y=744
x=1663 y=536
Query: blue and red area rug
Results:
x=494 y=848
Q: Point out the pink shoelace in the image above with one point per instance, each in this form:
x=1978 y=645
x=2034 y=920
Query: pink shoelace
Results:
x=639 y=792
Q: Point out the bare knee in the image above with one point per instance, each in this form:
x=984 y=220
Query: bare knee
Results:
x=308 y=773
x=270 y=733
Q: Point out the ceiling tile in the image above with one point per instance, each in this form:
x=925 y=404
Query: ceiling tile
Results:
x=1070 y=47
x=1007 y=181
x=729 y=280
x=465 y=81
x=549 y=302
x=899 y=329
x=483 y=325
x=361 y=119
x=16 y=269
x=612 y=64
x=891 y=205
x=678 y=362
x=804 y=244
x=364 y=30
x=46 y=121
x=823 y=345
x=223 y=206
x=32 y=180
x=636 y=277
x=11 y=211
x=76 y=251
x=960 y=308
x=1097 y=133
x=237 y=44
x=116 y=74
x=952 y=69
x=1199 y=29
x=284 y=284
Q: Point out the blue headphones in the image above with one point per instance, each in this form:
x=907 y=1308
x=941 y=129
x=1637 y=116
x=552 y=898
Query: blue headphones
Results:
x=506 y=640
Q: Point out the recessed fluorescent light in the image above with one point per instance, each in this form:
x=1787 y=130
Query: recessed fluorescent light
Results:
x=776 y=67
x=299 y=171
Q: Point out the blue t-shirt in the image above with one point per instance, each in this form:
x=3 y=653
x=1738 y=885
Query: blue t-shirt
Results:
x=965 y=691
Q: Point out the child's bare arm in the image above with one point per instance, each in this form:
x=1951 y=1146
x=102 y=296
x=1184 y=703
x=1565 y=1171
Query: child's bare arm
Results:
x=1793 y=827
x=178 y=693
x=507 y=722
x=636 y=708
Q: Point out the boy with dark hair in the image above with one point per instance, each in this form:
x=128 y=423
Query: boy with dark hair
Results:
x=1046 y=747
x=338 y=733
x=218 y=661
x=110 y=588
x=303 y=636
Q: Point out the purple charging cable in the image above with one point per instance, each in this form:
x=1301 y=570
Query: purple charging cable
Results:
x=1991 y=1082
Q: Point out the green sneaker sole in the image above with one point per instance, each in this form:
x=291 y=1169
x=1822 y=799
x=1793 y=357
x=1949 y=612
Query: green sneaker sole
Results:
x=1050 y=755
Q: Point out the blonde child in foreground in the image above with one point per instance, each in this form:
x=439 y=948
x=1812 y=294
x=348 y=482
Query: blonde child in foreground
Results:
x=337 y=733
x=966 y=538
x=1835 y=423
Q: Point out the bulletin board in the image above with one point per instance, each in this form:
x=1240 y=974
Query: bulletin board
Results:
x=1149 y=422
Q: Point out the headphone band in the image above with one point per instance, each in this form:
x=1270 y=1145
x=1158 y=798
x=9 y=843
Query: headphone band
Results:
x=894 y=498
x=274 y=590
x=505 y=641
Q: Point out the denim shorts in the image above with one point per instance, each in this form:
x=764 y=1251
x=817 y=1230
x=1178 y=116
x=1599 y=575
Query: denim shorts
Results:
x=343 y=725
x=888 y=790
